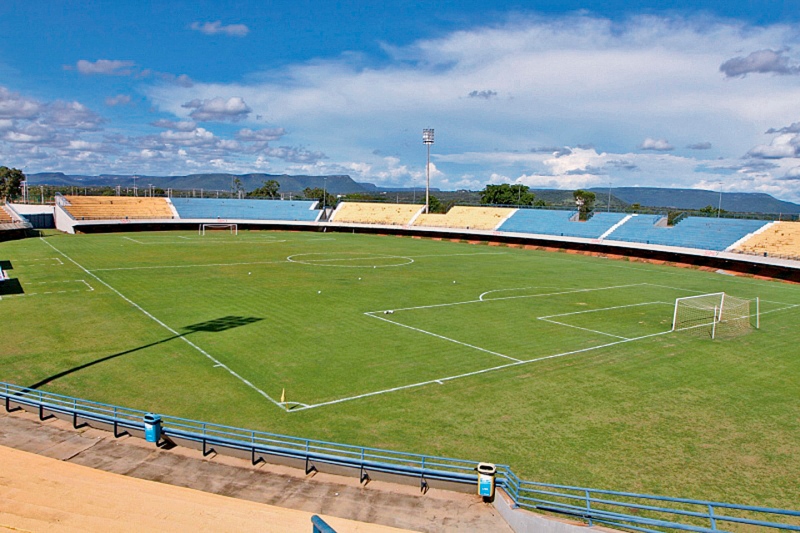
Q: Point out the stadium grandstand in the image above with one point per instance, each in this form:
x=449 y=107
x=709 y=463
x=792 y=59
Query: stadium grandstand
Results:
x=5 y=218
x=561 y=223
x=692 y=232
x=117 y=207
x=379 y=213
x=779 y=239
x=231 y=209
x=463 y=217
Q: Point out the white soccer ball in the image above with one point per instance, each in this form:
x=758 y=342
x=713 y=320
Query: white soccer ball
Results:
x=319 y=292
x=249 y=273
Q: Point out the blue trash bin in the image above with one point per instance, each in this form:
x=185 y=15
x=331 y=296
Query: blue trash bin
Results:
x=486 y=473
x=152 y=427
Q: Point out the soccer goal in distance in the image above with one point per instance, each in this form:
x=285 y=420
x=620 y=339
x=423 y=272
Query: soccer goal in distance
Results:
x=717 y=315
x=233 y=228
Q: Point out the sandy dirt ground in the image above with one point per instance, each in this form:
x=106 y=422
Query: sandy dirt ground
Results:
x=86 y=480
x=42 y=494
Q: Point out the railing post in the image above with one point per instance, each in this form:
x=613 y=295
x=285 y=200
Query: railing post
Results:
x=711 y=517
x=589 y=506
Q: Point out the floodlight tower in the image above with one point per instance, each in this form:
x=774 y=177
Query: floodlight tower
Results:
x=427 y=139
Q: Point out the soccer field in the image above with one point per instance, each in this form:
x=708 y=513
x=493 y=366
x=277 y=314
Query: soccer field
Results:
x=563 y=366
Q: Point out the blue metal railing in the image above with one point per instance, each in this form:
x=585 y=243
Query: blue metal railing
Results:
x=636 y=512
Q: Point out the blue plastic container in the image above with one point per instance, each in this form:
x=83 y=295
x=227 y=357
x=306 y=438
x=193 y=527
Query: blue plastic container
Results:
x=152 y=427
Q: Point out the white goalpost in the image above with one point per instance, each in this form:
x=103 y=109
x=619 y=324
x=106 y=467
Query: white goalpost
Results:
x=716 y=314
x=233 y=228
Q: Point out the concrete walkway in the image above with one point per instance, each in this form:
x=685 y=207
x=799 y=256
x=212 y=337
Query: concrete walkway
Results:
x=380 y=503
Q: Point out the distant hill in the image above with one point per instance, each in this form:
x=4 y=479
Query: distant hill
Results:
x=335 y=184
x=344 y=184
x=740 y=202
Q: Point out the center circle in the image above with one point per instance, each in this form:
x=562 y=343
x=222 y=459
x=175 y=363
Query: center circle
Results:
x=350 y=260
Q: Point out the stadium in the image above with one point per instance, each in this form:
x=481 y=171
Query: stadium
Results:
x=620 y=371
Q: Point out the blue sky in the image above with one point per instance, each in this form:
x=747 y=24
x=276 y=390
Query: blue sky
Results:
x=550 y=94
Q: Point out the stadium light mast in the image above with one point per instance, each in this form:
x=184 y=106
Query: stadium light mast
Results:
x=719 y=207
x=427 y=139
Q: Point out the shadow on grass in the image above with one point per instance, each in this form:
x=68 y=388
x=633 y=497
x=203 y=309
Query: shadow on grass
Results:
x=11 y=287
x=6 y=265
x=211 y=326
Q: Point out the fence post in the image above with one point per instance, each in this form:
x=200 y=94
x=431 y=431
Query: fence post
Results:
x=589 y=507
x=711 y=517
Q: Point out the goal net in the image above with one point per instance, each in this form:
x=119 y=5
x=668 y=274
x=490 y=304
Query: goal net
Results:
x=232 y=228
x=715 y=315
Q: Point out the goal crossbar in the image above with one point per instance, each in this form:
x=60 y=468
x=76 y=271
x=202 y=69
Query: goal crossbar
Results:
x=234 y=228
x=715 y=313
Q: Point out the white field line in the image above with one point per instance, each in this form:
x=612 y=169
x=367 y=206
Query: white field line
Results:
x=323 y=260
x=441 y=380
x=53 y=261
x=582 y=328
x=90 y=288
x=787 y=305
x=442 y=337
x=514 y=289
x=193 y=241
x=162 y=324
x=205 y=265
x=603 y=309
x=573 y=291
x=459 y=255
x=512 y=297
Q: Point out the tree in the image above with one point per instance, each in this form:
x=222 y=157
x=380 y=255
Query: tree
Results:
x=712 y=211
x=268 y=189
x=325 y=198
x=236 y=187
x=585 y=202
x=10 y=183
x=435 y=205
x=506 y=194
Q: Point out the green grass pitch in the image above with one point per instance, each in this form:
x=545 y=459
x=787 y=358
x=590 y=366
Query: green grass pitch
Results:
x=562 y=366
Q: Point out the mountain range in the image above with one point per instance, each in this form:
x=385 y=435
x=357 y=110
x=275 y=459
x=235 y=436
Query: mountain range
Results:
x=344 y=184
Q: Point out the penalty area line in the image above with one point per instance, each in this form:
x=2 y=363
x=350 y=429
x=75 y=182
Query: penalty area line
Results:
x=216 y=362
x=440 y=381
x=442 y=337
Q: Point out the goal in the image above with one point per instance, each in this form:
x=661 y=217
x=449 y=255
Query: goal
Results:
x=716 y=315
x=234 y=228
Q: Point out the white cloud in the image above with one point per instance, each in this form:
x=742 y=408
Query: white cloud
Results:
x=12 y=105
x=72 y=115
x=784 y=145
x=181 y=125
x=195 y=137
x=760 y=62
x=118 y=100
x=216 y=27
x=108 y=67
x=218 y=109
x=263 y=135
x=658 y=145
x=492 y=93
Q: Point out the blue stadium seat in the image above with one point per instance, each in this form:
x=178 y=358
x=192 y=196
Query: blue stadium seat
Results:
x=541 y=221
x=692 y=232
x=231 y=209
